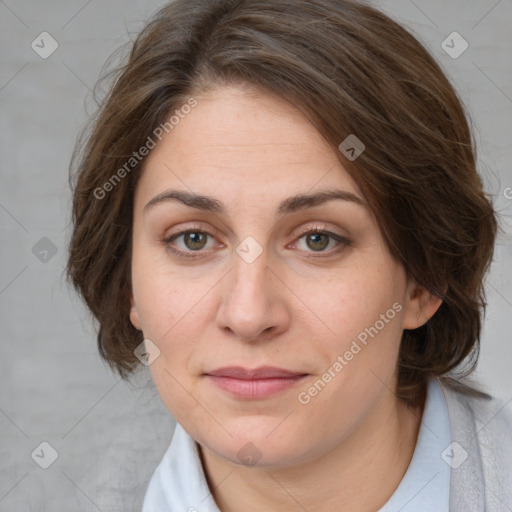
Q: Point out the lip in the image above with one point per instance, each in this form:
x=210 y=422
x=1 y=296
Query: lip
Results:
x=263 y=372
x=255 y=383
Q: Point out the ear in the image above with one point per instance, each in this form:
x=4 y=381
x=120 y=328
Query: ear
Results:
x=421 y=305
x=134 y=314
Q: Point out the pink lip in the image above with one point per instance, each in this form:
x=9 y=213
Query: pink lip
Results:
x=254 y=384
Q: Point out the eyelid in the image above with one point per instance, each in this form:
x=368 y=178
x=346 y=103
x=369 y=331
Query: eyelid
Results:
x=210 y=230
x=320 y=227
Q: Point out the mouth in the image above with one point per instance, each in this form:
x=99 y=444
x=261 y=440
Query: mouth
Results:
x=254 y=384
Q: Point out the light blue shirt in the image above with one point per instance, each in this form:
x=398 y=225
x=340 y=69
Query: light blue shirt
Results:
x=179 y=484
x=425 y=486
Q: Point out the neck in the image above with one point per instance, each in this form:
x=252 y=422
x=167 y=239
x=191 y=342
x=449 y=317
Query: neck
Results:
x=360 y=474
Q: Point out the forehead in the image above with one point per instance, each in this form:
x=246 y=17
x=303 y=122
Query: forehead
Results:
x=243 y=143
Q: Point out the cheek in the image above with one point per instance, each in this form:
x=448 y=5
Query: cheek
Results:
x=175 y=324
x=163 y=298
x=357 y=305
x=361 y=363
x=364 y=318
x=176 y=391
x=174 y=312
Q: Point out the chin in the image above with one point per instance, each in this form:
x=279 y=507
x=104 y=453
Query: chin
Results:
x=256 y=442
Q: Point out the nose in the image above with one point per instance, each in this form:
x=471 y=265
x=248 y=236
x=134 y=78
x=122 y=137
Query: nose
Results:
x=253 y=305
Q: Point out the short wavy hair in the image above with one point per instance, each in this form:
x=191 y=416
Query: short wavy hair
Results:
x=350 y=69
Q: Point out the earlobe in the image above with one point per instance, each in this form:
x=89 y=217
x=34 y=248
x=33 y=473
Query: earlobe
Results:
x=420 y=307
x=134 y=315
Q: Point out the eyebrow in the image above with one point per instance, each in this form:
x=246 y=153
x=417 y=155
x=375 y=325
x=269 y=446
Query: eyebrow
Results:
x=289 y=205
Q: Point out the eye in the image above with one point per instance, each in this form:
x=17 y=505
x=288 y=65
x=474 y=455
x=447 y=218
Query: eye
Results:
x=318 y=240
x=196 y=243
x=191 y=241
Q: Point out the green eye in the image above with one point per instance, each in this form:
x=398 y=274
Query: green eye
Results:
x=191 y=243
x=194 y=240
x=317 y=240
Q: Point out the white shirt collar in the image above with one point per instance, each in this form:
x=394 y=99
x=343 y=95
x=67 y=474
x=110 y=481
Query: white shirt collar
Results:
x=179 y=482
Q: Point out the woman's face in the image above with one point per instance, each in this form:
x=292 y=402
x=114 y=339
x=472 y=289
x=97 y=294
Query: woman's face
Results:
x=234 y=281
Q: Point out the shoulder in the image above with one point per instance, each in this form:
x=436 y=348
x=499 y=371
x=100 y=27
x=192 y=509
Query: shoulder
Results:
x=468 y=397
x=488 y=416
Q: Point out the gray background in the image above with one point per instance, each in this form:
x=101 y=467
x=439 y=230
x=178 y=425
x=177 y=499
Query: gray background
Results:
x=110 y=435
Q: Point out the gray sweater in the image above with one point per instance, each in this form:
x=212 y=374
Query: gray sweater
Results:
x=483 y=428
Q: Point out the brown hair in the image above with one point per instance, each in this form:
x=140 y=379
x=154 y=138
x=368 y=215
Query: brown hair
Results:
x=351 y=70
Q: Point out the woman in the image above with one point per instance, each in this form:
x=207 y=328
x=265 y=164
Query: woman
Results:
x=278 y=211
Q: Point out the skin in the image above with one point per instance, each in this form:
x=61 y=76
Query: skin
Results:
x=294 y=307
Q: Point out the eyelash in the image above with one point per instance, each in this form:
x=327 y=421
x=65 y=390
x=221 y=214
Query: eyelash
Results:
x=313 y=230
